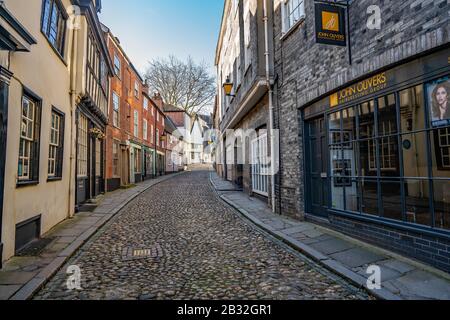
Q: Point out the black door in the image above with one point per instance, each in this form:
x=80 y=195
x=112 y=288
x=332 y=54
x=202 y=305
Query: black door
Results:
x=316 y=167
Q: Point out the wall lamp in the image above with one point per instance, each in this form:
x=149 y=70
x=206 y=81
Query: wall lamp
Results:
x=228 y=87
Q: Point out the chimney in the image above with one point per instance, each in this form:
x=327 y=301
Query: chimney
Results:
x=158 y=100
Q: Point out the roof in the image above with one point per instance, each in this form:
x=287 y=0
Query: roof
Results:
x=170 y=127
x=172 y=108
x=206 y=118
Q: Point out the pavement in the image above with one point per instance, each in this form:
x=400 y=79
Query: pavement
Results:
x=180 y=241
x=21 y=277
x=401 y=278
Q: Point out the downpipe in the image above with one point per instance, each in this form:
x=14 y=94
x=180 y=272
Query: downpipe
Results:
x=271 y=107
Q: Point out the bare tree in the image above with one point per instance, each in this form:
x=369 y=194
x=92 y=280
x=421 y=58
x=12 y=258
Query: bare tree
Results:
x=184 y=84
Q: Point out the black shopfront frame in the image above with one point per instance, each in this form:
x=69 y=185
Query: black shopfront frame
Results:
x=407 y=74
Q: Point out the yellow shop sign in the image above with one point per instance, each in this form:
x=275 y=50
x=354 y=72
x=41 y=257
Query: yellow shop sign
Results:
x=360 y=89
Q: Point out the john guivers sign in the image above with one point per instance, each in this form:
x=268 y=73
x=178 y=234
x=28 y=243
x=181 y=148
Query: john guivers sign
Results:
x=330 y=24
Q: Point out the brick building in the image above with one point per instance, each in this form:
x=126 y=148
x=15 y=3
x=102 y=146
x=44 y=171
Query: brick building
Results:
x=364 y=148
x=136 y=124
x=241 y=63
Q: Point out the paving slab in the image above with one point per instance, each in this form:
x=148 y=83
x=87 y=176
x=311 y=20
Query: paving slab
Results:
x=6 y=291
x=331 y=246
x=15 y=277
x=357 y=257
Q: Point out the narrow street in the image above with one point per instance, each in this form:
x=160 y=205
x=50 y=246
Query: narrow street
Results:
x=198 y=247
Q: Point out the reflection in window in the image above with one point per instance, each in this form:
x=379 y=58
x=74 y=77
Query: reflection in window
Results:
x=392 y=200
x=367 y=120
x=412 y=109
x=442 y=204
x=369 y=191
x=417 y=202
x=441 y=152
x=414 y=148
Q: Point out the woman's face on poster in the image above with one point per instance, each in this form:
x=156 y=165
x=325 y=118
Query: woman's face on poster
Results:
x=442 y=96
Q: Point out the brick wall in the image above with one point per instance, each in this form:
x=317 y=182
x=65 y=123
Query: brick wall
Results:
x=305 y=70
x=432 y=250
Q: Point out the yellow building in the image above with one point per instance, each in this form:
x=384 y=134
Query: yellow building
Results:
x=48 y=82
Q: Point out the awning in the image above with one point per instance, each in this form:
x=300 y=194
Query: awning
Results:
x=13 y=36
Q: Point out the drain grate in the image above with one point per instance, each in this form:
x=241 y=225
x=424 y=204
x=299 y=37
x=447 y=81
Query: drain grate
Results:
x=131 y=253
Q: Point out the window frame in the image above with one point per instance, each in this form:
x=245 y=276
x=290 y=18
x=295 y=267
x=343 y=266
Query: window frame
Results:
x=136 y=124
x=59 y=149
x=46 y=29
x=287 y=12
x=116 y=111
x=34 y=142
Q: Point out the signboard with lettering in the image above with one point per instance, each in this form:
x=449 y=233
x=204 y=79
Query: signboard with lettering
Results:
x=363 y=88
x=330 y=24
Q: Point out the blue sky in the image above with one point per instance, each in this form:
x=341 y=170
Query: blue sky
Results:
x=157 y=28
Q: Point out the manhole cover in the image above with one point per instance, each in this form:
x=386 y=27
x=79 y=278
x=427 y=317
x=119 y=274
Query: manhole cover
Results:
x=132 y=253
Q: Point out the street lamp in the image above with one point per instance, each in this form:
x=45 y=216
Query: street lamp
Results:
x=227 y=87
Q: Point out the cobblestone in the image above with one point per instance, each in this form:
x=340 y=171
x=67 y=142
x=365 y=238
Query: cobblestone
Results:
x=208 y=252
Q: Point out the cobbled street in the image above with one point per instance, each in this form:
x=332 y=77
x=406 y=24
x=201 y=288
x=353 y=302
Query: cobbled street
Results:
x=199 y=249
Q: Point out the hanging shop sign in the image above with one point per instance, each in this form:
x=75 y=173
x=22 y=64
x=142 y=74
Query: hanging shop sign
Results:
x=330 y=24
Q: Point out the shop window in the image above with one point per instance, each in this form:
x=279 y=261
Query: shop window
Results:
x=442 y=204
x=392 y=199
x=367 y=120
x=414 y=149
x=412 y=109
x=369 y=194
x=417 y=201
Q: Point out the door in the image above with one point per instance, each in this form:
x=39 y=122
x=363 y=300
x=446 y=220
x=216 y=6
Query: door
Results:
x=316 y=167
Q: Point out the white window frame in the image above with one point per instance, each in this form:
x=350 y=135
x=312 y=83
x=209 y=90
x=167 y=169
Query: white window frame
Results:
x=260 y=177
x=137 y=88
x=145 y=103
x=136 y=124
x=116 y=109
x=26 y=137
x=145 y=128
x=292 y=11
x=117 y=65
x=55 y=136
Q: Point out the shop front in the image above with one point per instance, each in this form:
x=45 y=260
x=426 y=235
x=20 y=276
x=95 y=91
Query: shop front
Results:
x=377 y=159
x=149 y=168
x=90 y=158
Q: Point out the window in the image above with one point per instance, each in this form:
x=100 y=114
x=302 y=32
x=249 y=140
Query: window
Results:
x=157 y=117
x=115 y=156
x=152 y=139
x=98 y=158
x=117 y=65
x=28 y=168
x=292 y=12
x=259 y=156
x=137 y=160
x=157 y=137
x=116 y=107
x=82 y=155
x=145 y=135
x=53 y=25
x=56 y=149
x=136 y=89
x=145 y=103
x=153 y=111
x=136 y=123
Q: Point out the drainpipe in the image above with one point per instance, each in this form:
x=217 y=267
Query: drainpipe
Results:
x=271 y=108
x=72 y=173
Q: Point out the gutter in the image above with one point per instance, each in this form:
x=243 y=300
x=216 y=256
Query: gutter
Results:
x=271 y=108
